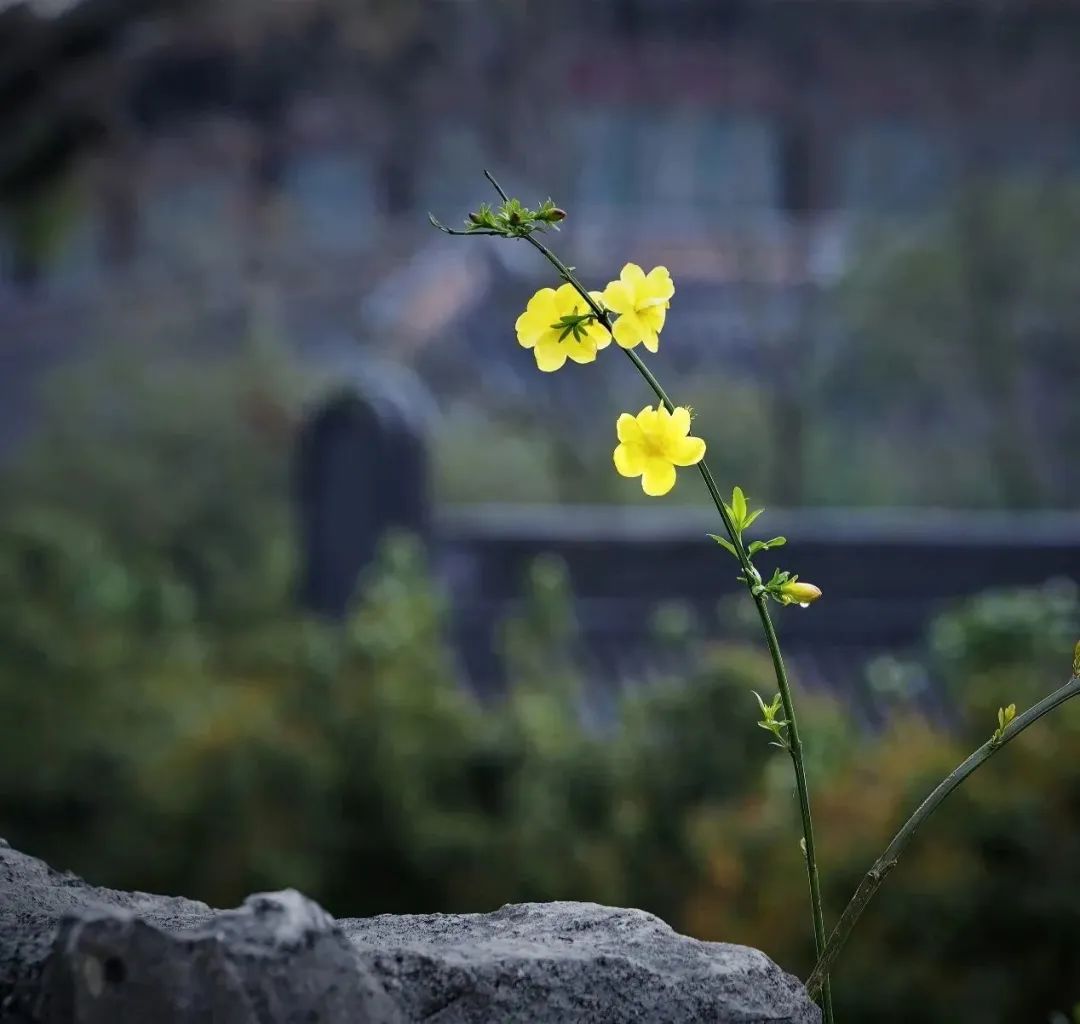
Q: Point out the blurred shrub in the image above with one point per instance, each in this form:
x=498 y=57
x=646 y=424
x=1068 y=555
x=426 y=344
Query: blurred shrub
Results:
x=951 y=326
x=168 y=720
x=182 y=466
x=1015 y=642
x=533 y=451
x=979 y=920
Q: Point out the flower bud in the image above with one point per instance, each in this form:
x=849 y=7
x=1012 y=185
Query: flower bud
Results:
x=556 y=213
x=476 y=218
x=798 y=592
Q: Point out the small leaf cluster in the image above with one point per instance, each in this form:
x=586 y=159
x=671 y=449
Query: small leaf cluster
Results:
x=514 y=219
x=742 y=518
x=573 y=323
x=770 y=723
x=1004 y=717
x=1076 y=660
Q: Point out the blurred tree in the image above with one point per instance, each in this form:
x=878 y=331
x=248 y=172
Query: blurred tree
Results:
x=64 y=80
x=970 y=323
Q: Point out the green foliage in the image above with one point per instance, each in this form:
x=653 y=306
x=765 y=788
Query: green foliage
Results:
x=169 y=721
x=143 y=744
x=963 y=308
x=1017 y=642
x=511 y=219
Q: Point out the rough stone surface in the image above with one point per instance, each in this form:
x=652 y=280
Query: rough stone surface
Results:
x=74 y=953
x=71 y=953
x=547 y=963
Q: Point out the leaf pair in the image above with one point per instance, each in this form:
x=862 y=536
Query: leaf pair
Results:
x=770 y=723
x=742 y=518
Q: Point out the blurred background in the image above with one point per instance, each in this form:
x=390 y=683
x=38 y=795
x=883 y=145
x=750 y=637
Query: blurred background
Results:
x=309 y=578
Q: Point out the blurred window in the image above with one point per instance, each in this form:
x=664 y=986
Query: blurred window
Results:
x=451 y=164
x=609 y=146
x=677 y=159
x=738 y=163
x=190 y=221
x=892 y=167
x=330 y=195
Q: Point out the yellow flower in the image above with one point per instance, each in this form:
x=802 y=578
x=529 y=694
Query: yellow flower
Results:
x=642 y=302
x=556 y=326
x=653 y=443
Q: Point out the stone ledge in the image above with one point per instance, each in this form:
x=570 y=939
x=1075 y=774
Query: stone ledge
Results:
x=78 y=954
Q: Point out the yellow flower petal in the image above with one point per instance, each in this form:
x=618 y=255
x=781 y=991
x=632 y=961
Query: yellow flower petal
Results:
x=627 y=330
x=598 y=335
x=617 y=297
x=658 y=477
x=537 y=319
x=650 y=341
x=580 y=351
x=680 y=420
x=648 y=419
x=686 y=451
x=659 y=285
x=633 y=277
x=628 y=430
x=528 y=330
x=550 y=355
x=653 y=317
x=568 y=300
x=629 y=460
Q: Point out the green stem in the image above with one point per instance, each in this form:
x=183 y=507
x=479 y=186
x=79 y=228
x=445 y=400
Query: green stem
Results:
x=761 y=601
x=887 y=861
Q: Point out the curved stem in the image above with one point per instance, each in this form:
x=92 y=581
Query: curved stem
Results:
x=761 y=601
x=887 y=861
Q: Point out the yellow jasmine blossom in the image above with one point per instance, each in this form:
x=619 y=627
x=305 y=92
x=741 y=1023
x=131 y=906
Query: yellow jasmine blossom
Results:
x=653 y=443
x=795 y=591
x=642 y=302
x=556 y=325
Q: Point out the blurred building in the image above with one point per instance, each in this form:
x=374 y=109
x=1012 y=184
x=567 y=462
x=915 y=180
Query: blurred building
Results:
x=172 y=162
x=217 y=139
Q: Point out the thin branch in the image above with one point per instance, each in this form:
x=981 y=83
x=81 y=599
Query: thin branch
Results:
x=456 y=231
x=887 y=861
x=498 y=187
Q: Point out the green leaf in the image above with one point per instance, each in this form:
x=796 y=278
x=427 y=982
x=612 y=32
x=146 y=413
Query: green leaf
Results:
x=765 y=545
x=749 y=520
x=738 y=506
x=724 y=543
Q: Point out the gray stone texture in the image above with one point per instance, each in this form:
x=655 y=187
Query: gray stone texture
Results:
x=71 y=953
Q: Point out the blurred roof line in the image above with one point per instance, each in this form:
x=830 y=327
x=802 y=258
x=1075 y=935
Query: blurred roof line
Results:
x=880 y=525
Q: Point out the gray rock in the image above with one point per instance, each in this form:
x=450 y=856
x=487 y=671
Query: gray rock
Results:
x=77 y=954
x=71 y=953
x=552 y=963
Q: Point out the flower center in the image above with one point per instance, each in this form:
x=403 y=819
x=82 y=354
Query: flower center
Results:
x=652 y=447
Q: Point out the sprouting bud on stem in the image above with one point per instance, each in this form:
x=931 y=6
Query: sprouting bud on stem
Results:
x=796 y=591
x=1005 y=716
